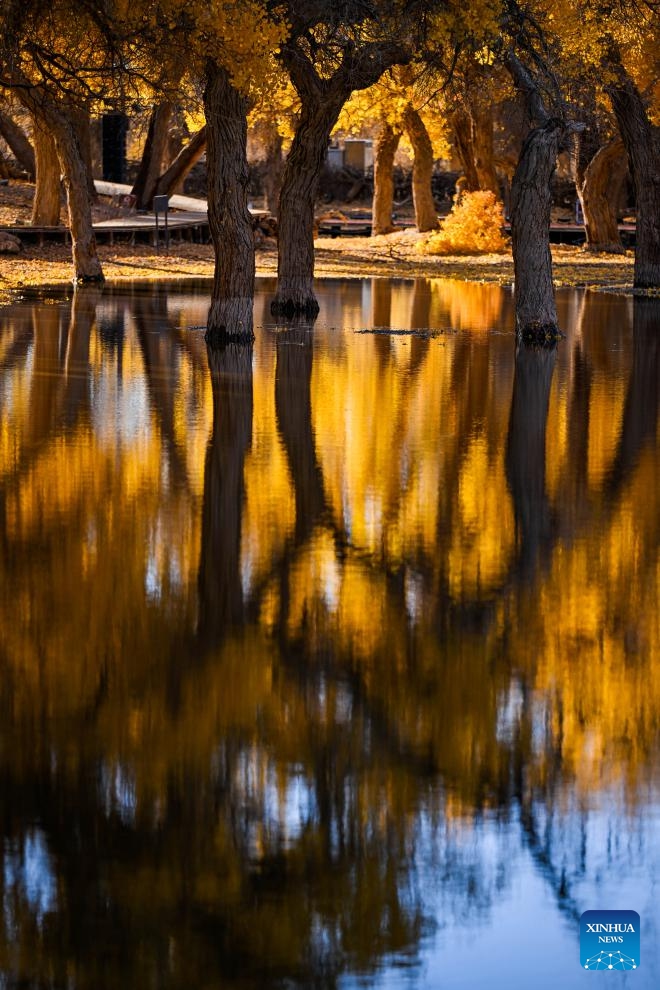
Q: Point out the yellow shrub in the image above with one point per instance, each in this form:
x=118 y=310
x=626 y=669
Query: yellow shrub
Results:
x=474 y=226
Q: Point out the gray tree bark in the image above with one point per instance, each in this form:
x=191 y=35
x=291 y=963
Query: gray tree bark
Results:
x=176 y=172
x=18 y=143
x=230 y=317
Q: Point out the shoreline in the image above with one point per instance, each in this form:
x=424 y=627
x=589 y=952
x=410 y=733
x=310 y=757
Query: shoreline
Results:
x=389 y=256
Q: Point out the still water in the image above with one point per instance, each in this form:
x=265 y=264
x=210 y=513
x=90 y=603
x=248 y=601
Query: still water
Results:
x=330 y=663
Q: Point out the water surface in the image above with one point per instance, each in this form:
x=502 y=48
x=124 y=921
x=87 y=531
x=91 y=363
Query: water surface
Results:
x=333 y=662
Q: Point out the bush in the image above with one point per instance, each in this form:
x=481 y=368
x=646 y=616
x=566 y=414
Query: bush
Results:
x=474 y=226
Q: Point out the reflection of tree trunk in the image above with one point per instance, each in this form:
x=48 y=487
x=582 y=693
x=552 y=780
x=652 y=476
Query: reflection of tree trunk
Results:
x=386 y=145
x=221 y=605
x=426 y=215
x=525 y=453
x=230 y=315
x=293 y=407
x=642 y=140
x=599 y=219
x=640 y=415
x=46 y=202
x=76 y=363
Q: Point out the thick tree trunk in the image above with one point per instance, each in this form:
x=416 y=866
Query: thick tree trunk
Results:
x=82 y=126
x=386 y=144
x=153 y=154
x=295 y=271
x=531 y=200
x=230 y=317
x=46 y=202
x=20 y=146
x=426 y=215
x=642 y=141
x=86 y=262
x=182 y=164
x=599 y=220
x=461 y=123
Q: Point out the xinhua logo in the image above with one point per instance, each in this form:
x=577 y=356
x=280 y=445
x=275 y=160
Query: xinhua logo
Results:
x=609 y=940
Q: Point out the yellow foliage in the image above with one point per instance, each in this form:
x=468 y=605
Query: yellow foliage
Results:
x=474 y=226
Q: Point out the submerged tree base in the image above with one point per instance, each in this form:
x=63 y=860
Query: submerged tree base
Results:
x=97 y=279
x=540 y=334
x=308 y=307
x=218 y=337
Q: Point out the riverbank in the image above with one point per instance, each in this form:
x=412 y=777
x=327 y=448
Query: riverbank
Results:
x=393 y=255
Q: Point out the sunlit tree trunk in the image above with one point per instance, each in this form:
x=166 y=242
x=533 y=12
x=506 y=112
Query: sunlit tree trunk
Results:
x=386 y=144
x=426 y=214
x=179 y=168
x=46 y=202
x=230 y=317
x=642 y=141
x=80 y=120
x=593 y=187
x=153 y=155
x=18 y=143
x=86 y=262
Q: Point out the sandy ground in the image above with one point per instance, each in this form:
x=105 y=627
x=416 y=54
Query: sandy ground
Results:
x=393 y=255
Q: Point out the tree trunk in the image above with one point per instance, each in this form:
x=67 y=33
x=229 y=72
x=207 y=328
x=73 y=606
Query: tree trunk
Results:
x=274 y=173
x=531 y=200
x=153 y=154
x=426 y=215
x=20 y=146
x=386 y=144
x=182 y=164
x=461 y=123
x=599 y=219
x=230 y=317
x=81 y=124
x=482 y=144
x=642 y=141
x=295 y=270
x=46 y=202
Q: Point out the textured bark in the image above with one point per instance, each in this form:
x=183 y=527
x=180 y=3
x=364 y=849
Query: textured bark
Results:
x=295 y=268
x=86 y=262
x=20 y=146
x=80 y=120
x=221 y=602
x=321 y=102
x=599 y=219
x=531 y=200
x=525 y=454
x=153 y=154
x=230 y=316
x=182 y=164
x=461 y=123
x=46 y=202
x=642 y=141
x=426 y=215
x=274 y=165
x=386 y=144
